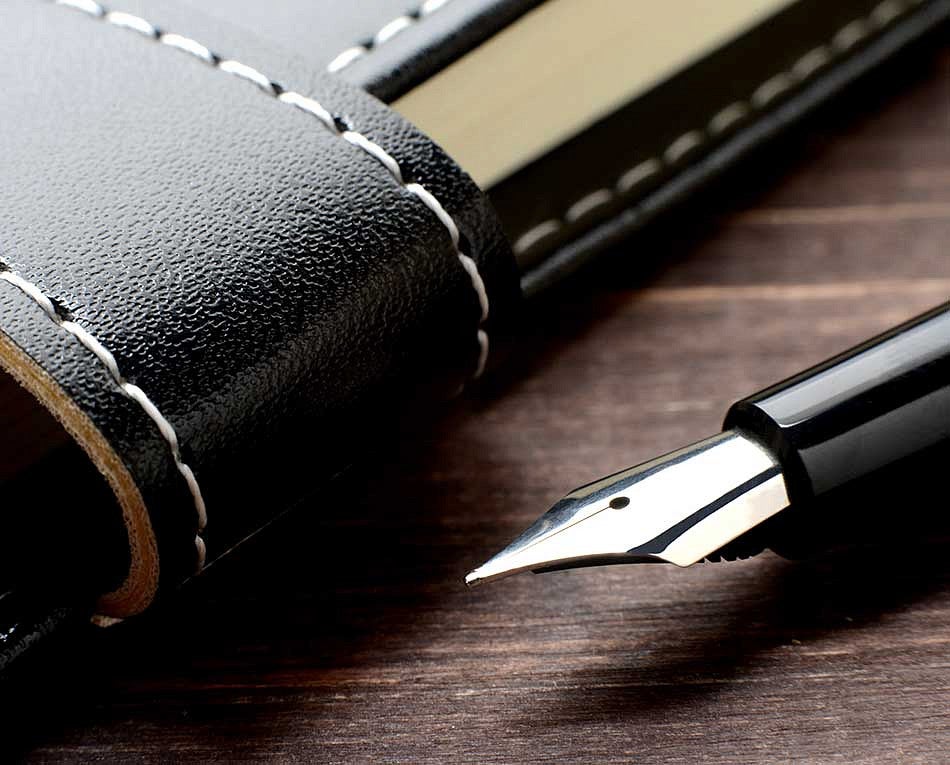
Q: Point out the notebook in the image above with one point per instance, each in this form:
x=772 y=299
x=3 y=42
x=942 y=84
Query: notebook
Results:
x=241 y=239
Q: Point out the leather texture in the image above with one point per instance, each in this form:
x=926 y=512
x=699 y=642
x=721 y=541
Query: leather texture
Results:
x=397 y=43
x=651 y=154
x=263 y=280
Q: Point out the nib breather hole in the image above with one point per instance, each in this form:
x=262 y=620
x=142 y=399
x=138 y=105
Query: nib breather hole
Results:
x=617 y=503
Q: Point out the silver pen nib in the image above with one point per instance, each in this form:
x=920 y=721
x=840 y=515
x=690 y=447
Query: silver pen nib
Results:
x=678 y=508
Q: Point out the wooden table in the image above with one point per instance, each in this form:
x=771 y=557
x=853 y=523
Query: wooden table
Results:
x=345 y=634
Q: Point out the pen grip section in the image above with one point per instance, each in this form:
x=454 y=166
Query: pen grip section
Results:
x=878 y=409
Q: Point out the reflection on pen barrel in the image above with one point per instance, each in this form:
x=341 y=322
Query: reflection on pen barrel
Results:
x=863 y=438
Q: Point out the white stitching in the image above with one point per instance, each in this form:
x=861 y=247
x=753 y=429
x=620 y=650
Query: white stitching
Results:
x=393 y=28
x=347 y=57
x=536 y=234
x=386 y=32
x=725 y=118
x=841 y=42
x=585 y=204
x=811 y=62
x=851 y=34
x=685 y=144
x=314 y=108
x=381 y=156
x=637 y=175
x=771 y=89
x=86 y=6
x=130 y=21
x=309 y=106
x=187 y=45
x=107 y=359
x=252 y=75
x=886 y=12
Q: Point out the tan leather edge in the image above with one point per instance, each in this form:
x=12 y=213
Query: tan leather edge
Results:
x=141 y=583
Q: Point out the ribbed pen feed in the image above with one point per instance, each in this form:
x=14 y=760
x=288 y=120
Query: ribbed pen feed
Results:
x=679 y=509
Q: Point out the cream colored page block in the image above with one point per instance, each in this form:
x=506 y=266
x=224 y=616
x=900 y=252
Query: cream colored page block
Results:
x=562 y=67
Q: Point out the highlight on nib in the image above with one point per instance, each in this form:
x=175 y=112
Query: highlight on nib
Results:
x=679 y=508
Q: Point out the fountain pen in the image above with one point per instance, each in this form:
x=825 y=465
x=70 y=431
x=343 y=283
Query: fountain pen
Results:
x=859 y=441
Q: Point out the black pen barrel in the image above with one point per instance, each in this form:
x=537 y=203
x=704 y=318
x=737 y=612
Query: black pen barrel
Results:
x=883 y=401
x=873 y=420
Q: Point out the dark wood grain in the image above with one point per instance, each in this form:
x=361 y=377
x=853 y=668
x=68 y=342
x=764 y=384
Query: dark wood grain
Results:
x=345 y=634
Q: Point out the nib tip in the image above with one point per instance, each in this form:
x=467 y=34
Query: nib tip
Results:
x=496 y=568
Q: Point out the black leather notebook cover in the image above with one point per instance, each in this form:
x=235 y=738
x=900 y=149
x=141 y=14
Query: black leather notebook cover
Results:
x=226 y=263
